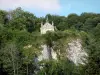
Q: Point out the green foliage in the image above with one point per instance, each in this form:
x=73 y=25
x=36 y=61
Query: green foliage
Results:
x=20 y=29
x=22 y=20
x=61 y=67
x=2 y=16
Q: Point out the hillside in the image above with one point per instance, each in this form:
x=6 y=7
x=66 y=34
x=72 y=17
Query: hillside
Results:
x=75 y=41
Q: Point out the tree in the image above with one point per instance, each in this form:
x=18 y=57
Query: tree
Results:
x=2 y=16
x=9 y=58
x=92 y=67
x=72 y=19
x=22 y=20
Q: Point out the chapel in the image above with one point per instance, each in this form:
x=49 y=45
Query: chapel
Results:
x=47 y=27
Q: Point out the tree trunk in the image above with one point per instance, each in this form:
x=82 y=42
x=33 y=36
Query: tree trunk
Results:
x=17 y=68
x=13 y=62
x=27 y=69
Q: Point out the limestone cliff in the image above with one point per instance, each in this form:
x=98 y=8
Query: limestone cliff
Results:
x=76 y=52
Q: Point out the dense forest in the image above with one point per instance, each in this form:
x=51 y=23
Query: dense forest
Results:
x=19 y=28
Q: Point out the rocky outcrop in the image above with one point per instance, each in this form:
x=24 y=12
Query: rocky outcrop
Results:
x=75 y=52
x=47 y=53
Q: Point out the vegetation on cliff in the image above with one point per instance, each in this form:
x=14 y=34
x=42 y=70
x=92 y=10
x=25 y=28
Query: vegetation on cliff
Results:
x=19 y=28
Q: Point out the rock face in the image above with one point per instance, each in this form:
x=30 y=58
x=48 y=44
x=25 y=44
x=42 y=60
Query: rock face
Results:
x=47 y=53
x=75 y=52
